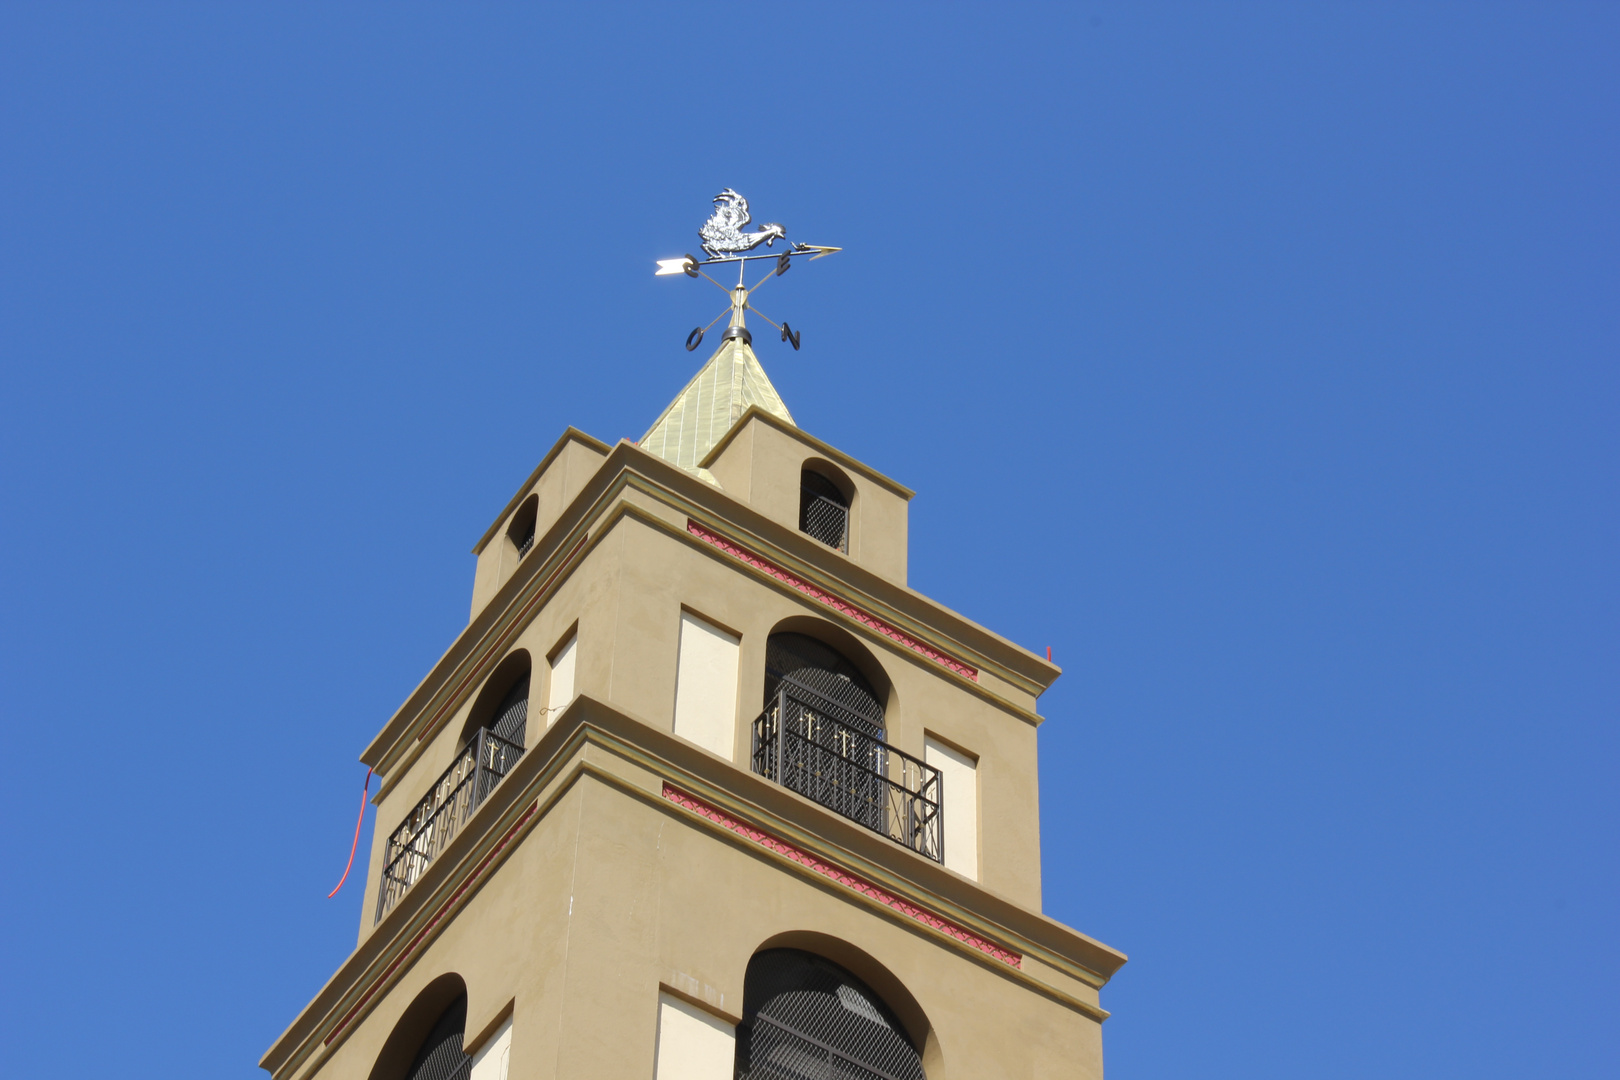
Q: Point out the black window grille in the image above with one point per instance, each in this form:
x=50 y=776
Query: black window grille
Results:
x=823 y=510
x=441 y=1056
x=511 y=719
x=822 y=668
x=805 y=1018
x=822 y=735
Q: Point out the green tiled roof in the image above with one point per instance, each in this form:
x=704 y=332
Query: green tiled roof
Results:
x=718 y=394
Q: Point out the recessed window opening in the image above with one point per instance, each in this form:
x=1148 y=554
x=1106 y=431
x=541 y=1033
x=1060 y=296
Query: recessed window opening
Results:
x=804 y=1016
x=818 y=667
x=440 y=1056
x=561 y=690
x=521 y=531
x=822 y=735
x=823 y=510
x=511 y=717
x=490 y=746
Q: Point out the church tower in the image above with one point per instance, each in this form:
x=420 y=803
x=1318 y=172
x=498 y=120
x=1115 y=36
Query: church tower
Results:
x=704 y=791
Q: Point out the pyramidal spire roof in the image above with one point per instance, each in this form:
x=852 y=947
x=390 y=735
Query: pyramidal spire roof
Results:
x=721 y=391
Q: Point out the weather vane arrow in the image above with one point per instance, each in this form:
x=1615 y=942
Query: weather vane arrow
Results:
x=724 y=241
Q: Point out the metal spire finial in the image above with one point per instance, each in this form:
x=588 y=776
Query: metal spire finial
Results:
x=725 y=241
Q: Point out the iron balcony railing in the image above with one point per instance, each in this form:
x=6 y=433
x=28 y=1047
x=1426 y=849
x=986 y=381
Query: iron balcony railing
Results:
x=809 y=743
x=439 y=817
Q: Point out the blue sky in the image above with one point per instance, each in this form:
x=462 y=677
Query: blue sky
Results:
x=1259 y=359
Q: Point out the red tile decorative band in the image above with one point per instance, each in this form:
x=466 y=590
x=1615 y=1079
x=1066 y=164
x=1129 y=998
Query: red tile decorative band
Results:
x=410 y=950
x=842 y=876
x=862 y=617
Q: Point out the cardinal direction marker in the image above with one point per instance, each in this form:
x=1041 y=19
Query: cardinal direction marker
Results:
x=726 y=239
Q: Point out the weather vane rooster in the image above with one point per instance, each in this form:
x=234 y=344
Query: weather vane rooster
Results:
x=722 y=234
x=725 y=241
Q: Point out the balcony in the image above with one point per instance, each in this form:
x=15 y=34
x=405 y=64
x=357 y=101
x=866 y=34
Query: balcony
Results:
x=822 y=749
x=439 y=817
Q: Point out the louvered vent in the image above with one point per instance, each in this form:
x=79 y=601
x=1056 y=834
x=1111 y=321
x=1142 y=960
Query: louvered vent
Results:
x=805 y=1018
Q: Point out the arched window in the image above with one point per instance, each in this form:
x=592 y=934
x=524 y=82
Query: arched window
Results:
x=440 y=1056
x=822 y=731
x=820 y=668
x=511 y=716
x=521 y=529
x=822 y=735
x=502 y=706
x=806 y=1018
x=425 y=1043
x=823 y=510
x=492 y=741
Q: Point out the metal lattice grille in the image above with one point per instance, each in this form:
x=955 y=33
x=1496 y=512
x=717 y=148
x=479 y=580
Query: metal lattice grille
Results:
x=438 y=818
x=441 y=1057
x=823 y=511
x=511 y=719
x=821 y=668
x=807 y=1019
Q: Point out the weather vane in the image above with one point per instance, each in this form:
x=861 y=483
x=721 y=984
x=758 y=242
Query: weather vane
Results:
x=724 y=241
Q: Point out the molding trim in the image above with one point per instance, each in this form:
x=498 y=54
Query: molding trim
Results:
x=679 y=781
x=759 y=562
x=795 y=431
x=843 y=877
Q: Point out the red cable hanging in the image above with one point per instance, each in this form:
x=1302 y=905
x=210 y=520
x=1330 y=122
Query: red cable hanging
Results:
x=356 y=845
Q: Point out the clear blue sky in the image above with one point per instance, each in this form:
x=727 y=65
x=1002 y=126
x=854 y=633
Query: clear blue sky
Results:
x=1260 y=360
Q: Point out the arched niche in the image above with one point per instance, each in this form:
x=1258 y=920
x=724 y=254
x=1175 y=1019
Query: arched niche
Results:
x=835 y=476
x=848 y=646
x=428 y=1034
x=520 y=530
x=826 y=503
x=899 y=1005
x=502 y=702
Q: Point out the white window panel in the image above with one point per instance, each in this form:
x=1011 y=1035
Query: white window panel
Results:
x=494 y=1058
x=706 y=686
x=960 y=775
x=562 y=681
x=692 y=1044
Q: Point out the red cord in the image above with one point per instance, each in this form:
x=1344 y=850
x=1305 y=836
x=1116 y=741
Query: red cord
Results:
x=356 y=845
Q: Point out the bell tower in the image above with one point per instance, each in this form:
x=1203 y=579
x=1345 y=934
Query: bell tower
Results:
x=704 y=791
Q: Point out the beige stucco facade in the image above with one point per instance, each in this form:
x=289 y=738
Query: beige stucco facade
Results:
x=618 y=860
